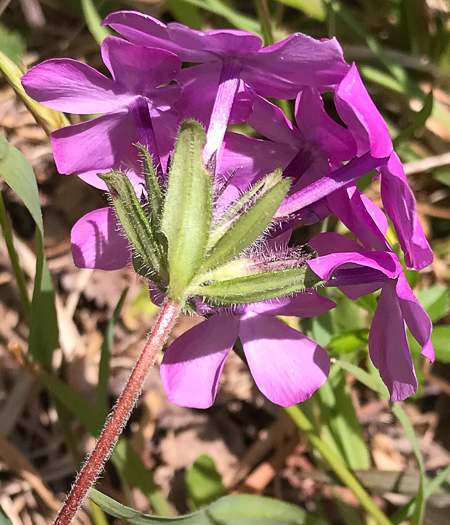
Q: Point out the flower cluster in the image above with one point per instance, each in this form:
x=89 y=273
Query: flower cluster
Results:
x=161 y=75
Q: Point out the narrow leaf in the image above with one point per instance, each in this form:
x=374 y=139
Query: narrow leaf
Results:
x=19 y=175
x=44 y=332
x=105 y=357
x=229 y=510
x=417 y=516
x=94 y=21
x=187 y=210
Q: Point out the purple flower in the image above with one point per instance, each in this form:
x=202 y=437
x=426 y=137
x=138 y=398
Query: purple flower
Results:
x=358 y=273
x=286 y=365
x=107 y=141
x=375 y=151
x=276 y=71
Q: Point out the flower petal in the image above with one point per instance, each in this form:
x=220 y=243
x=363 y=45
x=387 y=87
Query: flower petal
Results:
x=357 y=110
x=98 y=243
x=400 y=205
x=127 y=62
x=388 y=346
x=287 y=366
x=193 y=363
x=361 y=216
x=282 y=69
x=71 y=86
x=101 y=143
x=416 y=318
x=302 y=304
x=320 y=129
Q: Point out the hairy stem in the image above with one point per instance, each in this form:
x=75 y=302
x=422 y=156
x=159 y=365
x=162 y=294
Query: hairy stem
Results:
x=120 y=414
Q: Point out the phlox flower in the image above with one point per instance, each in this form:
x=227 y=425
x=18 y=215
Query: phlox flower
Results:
x=135 y=101
x=232 y=56
x=358 y=272
x=286 y=365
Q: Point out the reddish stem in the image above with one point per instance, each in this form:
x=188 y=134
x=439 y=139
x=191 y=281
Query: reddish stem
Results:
x=120 y=414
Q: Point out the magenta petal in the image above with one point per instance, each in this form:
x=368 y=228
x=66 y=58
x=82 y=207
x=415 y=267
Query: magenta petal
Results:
x=71 y=86
x=357 y=110
x=287 y=366
x=193 y=363
x=97 y=243
x=320 y=129
x=282 y=69
x=127 y=62
x=271 y=122
x=388 y=346
x=101 y=143
x=302 y=304
x=210 y=45
x=361 y=216
x=416 y=318
x=400 y=205
x=385 y=262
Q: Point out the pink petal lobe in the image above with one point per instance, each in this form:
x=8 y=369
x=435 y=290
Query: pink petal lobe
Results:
x=287 y=366
x=97 y=242
x=127 y=61
x=71 y=86
x=388 y=346
x=357 y=110
x=99 y=144
x=193 y=363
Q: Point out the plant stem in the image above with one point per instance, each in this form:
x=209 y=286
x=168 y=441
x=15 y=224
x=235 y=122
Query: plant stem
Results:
x=20 y=278
x=120 y=413
x=337 y=465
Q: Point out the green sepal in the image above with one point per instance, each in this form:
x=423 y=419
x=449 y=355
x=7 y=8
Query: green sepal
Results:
x=257 y=287
x=154 y=193
x=246 y=220
x=135 y=223
x=186 y=218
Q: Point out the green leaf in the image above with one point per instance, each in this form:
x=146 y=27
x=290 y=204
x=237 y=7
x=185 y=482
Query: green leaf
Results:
x=250 y=221
x=434 y=300
x=235 y=18
x=404 y=513
x=440 y=338
x=13 y=44
x=187 y=211
x=105 y=357
x=94 y=21
x=134 y=222
x=19 y=175
x=203 y=482
x=417 y=516
x=44 y=331
x=351 y=341
x=418 y=120
x=237 y=509
x=373 y=382
x=257 y=287
x=44 y=335
x=313 y=8
x=339 y=423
